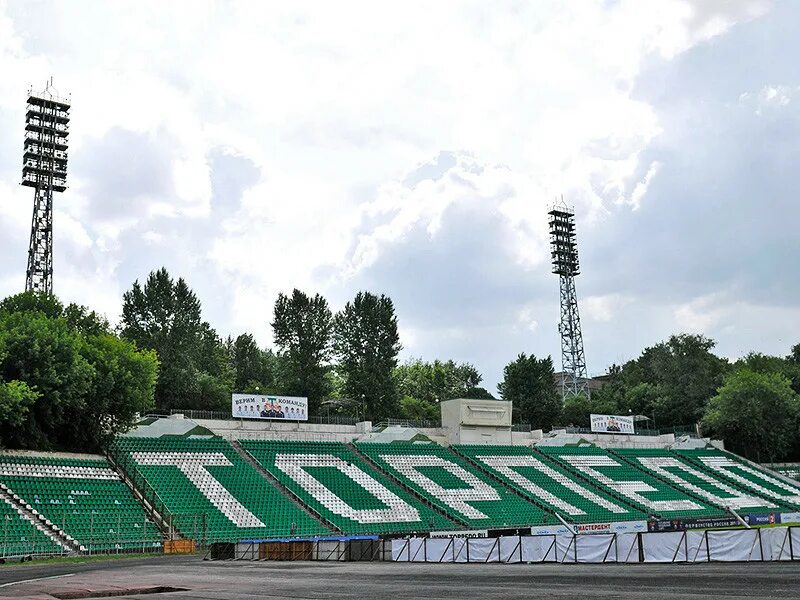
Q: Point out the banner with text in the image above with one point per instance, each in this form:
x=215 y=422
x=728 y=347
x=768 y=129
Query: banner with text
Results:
x=611 y=424
x=255 y=406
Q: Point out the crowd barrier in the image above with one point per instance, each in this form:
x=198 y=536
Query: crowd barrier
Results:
x=691 y=546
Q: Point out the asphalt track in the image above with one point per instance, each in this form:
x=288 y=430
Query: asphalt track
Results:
x=397 y=581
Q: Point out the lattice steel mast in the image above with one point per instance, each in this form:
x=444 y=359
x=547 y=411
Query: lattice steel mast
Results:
x=44 y=168
x=564 y=254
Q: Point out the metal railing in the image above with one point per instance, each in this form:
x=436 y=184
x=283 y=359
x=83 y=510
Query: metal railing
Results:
x=219 y=415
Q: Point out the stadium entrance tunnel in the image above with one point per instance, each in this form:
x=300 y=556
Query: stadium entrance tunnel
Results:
x=161 y=589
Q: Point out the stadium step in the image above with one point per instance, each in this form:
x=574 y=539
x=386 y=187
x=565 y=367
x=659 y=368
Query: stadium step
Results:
x=69 y=545
x=458 y=521
x=582 y=477
x=629 y=460
x=284 y=490
x=157 y=513
x=514 y=490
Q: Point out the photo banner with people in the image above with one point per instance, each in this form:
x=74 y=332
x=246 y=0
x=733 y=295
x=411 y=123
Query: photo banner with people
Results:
x=611 y=424
x=255 y=406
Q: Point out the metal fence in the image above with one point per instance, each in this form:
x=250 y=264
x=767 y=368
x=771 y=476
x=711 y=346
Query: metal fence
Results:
x=219 y=415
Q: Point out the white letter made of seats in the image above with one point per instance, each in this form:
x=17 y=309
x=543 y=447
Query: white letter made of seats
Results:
x=294 y=465
x=455 y=498
x=193 y=465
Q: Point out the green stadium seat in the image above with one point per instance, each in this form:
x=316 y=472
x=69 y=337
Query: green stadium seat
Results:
x=211 y=493
x=456 y=487
x=83 y=498
x=547 y=482
x=633 y=484
x=339 y=485
x=745 y=475
x=696 y=480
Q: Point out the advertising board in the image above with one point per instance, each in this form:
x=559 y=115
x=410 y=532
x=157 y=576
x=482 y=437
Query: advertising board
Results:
x=611 y=424
x=281 y=408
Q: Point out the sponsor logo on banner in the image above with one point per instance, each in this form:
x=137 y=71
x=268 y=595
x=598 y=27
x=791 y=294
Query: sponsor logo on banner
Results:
x=551 y=530
x=762 y=519
x=474 y=533
x=696 y=523
x=618 y=527
x=611 y=424
x=281 y=408
x=793 y=517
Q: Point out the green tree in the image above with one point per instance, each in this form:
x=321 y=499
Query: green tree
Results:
x=529 y=383
x=757 y=414
x=165 y=316
x=418 y=410
x=686 y=374
x=436 y=381
x=66 y=382
x=253 y=367
x=366 y=342
x=303 y=328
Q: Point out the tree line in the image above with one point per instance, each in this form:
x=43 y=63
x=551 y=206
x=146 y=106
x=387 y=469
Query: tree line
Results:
x=69 y=380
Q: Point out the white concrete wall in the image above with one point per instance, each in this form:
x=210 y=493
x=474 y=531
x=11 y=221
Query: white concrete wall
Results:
x=276 y=430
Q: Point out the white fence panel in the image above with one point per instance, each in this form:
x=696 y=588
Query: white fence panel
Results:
x=541 y=548
x=439 y=550
x=735 y=545
x=664 y=547
x=627 y=547
x=511 y=549
x=400 y=550
x=565 y=548
x=775 y=543
x=416 y=549
x=484 y=550
x=696 y=546
x=460 y=550
x=596 y=548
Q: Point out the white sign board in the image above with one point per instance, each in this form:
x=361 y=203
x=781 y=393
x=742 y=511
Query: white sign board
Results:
x=611 y=424
x=283 y=408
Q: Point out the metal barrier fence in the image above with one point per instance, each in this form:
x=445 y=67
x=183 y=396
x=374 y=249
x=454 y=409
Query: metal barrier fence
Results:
x=691 y=546
x=218 y=415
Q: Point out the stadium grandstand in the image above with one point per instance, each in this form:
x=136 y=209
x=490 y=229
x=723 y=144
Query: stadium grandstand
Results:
x=175 y=479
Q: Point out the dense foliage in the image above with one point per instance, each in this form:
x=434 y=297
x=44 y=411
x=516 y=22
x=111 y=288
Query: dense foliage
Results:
x=164 y=316
x=303 y=327
x=66 y=381
x=366 y=344
x=529 y=383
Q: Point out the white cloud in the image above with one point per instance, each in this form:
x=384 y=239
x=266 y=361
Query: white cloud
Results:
x=337 y=105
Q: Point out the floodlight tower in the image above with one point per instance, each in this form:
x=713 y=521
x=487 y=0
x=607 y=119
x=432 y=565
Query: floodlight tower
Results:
x=44 y=168
x=564 y=254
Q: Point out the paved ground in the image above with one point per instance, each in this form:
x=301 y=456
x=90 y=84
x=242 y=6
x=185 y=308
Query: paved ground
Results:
x=393 y=581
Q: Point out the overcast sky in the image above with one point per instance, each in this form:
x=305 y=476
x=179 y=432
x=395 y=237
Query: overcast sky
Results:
x=412 y=149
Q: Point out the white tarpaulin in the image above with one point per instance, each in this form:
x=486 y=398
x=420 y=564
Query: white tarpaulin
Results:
x=775 y=543
x=657 y=547
x=627 y=547
x=540 y=548
x=696 y=547
x=664 y=547
x=736 y=545
x=511 y=549
x=483 y=550
x=596 y=548
x=565 y=548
